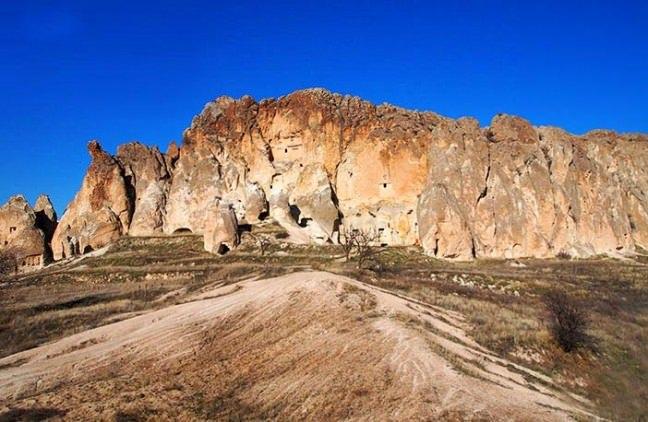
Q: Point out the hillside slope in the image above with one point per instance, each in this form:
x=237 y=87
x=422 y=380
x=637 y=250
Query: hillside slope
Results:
x=308 y=344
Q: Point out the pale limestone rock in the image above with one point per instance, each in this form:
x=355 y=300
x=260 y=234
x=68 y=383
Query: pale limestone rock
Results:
x=221 y=232
x=312 y=200
x=457 y=176
x=147 y=176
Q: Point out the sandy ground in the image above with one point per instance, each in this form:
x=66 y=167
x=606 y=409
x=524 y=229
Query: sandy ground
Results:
x=309 y=345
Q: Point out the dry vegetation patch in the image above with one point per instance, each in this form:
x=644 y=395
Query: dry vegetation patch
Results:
x=502 y=302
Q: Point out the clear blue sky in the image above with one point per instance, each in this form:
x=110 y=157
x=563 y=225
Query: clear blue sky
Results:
x=119 y=70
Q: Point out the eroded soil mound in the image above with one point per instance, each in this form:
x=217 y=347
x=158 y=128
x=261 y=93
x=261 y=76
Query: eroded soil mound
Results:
x=306 y=345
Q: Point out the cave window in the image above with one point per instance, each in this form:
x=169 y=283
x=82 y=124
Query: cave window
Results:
x=6 y=242
x=12 y=229
x=380 y=230
x=385 y=185
x=286 y=150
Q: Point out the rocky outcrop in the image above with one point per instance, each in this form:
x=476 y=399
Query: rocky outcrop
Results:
x=514 y=191
x=20 y=234
x=146 y=174
x=100 y=212
x=221 y=233
x=319 y=163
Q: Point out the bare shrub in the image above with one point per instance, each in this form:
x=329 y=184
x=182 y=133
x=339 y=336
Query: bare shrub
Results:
x=347 y=241
x=567 y=320
x=563 y=255
x=365 y=249
x=359 y=244
x=263 y=242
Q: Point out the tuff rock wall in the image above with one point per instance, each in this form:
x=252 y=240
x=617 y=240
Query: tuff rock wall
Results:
x=26 y=232
x=319 y=163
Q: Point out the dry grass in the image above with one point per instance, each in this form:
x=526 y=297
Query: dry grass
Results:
x=501 y=303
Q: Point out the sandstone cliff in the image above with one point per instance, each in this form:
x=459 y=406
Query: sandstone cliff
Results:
x=316 y=161
x=24 y=231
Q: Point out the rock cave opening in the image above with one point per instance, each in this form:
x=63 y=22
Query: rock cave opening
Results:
x=182 y=230
x=223 y=249
x=244 y=228
x=295 y=212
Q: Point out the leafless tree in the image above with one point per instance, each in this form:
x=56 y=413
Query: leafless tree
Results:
x=262 y=241
x=364 y=245
x=347 y=241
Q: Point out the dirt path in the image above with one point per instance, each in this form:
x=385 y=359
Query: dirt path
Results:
x=305 y=345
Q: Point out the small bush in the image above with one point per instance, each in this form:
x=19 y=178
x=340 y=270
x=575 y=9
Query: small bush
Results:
x=567 y=321
x=563 y=255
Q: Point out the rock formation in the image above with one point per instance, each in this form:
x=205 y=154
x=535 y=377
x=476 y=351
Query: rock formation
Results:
x=21 y=234
x=100 y=212
x=221 y=233
x=46 y=218
x=146 y=173
x=317 y=162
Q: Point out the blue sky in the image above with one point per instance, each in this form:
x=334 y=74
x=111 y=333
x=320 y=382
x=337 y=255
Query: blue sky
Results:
x=118 y=71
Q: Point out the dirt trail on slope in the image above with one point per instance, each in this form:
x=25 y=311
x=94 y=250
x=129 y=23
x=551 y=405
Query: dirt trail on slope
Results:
x=306 y=345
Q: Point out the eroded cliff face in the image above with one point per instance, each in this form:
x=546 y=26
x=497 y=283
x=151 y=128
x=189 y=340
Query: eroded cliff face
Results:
x=22 y=235
x=100 y=212
x=318 y=163
x=146 y=176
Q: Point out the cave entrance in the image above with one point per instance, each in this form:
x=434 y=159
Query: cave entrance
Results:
x=223 y=249
x=183 y=230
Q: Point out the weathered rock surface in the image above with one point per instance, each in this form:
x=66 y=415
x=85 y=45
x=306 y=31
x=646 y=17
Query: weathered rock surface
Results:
x=99 y=213
x=46 y=218
x=20 y=233
x=221 y=233
x=146 y=174
x=318 y=162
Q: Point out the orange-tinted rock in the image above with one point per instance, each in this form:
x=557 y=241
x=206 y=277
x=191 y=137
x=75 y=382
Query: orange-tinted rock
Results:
x=100 y=212
x=317 y=162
